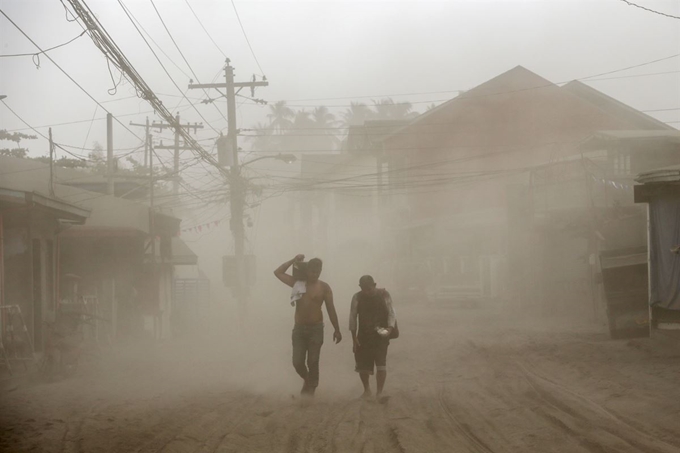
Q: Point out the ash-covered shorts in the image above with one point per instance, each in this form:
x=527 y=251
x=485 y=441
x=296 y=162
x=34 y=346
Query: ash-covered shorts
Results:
x=371 y=353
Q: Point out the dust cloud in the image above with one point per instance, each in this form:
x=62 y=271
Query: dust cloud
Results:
x=507 y=171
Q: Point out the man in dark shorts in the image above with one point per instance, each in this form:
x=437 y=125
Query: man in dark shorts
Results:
x=373 y=309
x=308 y=330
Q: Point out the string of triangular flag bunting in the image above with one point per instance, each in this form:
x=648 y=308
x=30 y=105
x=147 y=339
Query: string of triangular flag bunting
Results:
x=614 y=184
x=201 y=227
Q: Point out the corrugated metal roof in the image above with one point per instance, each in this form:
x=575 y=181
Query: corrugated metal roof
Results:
x=106 y=211
x=639 y=135
x=660 y=175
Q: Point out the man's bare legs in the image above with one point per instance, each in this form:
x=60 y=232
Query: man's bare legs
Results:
x=380 y=377
x=367 y=386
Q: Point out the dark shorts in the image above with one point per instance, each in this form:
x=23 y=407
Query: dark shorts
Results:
x=307 y=342
x=371 y=353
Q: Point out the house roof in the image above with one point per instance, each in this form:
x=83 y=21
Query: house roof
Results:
x=520 y=79
x=601 y=139
x=660 y=175
x=615 y=107
x=105 y=211
x=670 y=135
x=514 y=80
x=59 y=208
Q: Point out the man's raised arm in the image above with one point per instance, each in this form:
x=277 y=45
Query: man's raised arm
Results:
x=281 y=274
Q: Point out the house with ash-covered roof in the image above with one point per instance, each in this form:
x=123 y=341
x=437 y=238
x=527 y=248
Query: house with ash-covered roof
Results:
x=491 y=190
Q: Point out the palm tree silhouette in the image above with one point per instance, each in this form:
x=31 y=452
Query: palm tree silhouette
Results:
x=280 y=116
x=387 y=109
x=324 y=123
x=264 y=138
x=356 y=114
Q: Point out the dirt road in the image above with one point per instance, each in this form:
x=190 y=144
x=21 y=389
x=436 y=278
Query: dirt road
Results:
x=459 y=381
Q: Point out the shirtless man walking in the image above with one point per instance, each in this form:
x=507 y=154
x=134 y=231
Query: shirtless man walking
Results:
x=308 y=330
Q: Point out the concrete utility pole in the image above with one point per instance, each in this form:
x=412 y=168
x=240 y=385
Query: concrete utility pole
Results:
x=152 y=229
x=51 y=164
x=109 y=153
x=237 y=188
x=146 y=140
x=175 y=176
x=176 y=148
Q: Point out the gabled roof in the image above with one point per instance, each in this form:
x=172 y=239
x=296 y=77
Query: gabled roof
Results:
x=615 y=107
x=577 y=95
x=604 y=139
x=515 y=80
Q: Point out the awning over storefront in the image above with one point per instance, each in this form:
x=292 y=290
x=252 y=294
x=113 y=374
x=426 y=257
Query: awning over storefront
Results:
x=179 y=252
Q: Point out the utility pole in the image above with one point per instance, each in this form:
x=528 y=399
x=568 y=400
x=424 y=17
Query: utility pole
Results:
x=146 y=144
x=51 y=164
x=176 y=148
x=109 y=153
x=152 y=231
x=160 y=126
x=146 y=140
x=237 y=188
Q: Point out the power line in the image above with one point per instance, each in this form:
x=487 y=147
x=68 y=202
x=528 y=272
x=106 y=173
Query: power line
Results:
x=380 y=129
x=632 y=76
x=159 y=46
x=129 y=15
x=631 y=67
x=40 y=133
x=650 y=10
x=182 y=55
x=105 y=43
x=375 y=96
x=206 y=31
x=158 y=94
x=46 y=50
x=96 y=119
x=379 y=96
x=661 y=110
x=89 y=129
x=246 y=36
x=320 y=105
x=66 y=73
x=451 y=91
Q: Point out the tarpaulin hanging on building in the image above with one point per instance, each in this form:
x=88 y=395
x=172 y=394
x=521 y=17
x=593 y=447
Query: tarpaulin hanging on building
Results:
x=664 y=235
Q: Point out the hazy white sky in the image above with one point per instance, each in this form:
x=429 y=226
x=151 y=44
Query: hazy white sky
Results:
x=325 y=49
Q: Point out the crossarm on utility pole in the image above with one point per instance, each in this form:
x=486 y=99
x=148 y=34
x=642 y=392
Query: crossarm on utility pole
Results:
x=224 y=85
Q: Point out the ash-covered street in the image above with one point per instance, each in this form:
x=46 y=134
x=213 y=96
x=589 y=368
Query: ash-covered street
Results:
x=476 y=380
x=189 y=189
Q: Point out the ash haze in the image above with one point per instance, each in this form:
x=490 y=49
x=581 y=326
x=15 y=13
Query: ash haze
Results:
x=489 y=163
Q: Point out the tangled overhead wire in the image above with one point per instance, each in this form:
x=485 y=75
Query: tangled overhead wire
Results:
x=36 y=55
x=105 y=43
